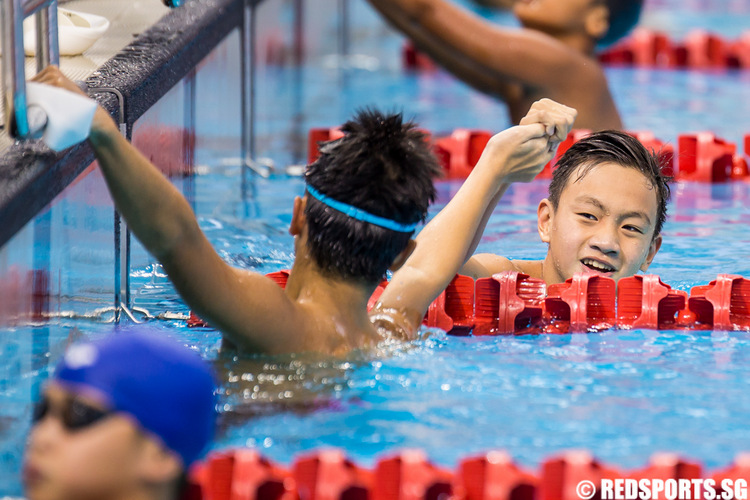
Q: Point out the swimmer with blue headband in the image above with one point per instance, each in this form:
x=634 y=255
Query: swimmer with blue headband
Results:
x=359 y=214
x=365 y=193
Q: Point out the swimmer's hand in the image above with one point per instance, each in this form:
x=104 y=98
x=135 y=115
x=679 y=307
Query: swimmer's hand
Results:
x=521 y=152
x=102 y=123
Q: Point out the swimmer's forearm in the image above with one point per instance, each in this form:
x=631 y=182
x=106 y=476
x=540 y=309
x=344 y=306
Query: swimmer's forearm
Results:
x=154 y=209
x=457 y=229
x=442 y=246
x=478 y=52
x=485 y=218
x=419 y=20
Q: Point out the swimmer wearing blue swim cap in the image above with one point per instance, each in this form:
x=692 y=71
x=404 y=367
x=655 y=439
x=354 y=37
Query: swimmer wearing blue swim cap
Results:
x=122 y=418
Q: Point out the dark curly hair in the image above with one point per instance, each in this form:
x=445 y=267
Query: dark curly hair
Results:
x=611 y=146
x=382 y=165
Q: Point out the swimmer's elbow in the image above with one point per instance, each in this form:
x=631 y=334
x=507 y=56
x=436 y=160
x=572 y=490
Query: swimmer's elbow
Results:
x=177 y=243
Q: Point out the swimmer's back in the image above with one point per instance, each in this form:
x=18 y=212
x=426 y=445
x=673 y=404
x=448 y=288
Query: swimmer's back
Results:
x=579 y=82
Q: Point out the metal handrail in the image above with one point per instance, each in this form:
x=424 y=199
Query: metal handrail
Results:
x=33 y=6
x=13 y=12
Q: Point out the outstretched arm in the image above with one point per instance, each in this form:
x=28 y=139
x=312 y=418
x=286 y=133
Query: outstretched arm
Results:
x=249 y=308
x=480 y=53
x=443 y=246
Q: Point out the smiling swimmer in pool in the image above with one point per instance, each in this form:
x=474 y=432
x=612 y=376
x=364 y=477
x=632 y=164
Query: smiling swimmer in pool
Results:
x=364 y=197
x=606 y=208
x=552 y=55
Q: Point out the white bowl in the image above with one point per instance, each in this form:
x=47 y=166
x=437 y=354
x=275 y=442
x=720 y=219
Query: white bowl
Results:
x=77 y=31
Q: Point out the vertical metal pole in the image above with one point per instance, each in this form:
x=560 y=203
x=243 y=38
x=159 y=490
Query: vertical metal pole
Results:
x=41 y=263
x=298 y=39
x=188 y=137
x=122 y=267
x=40 y=291
x=297 y=96
x=121 y=233
x=344 y=29
x=247 y=55
x=118 y=266
x=47 y=49
x=14 y=60
x=122 y=258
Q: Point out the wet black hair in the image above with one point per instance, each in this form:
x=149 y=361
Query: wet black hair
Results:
x=611 y=146
x=382 y=165
x=623 y=16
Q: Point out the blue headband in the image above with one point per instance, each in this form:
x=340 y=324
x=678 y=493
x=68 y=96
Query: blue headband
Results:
x=359 y=214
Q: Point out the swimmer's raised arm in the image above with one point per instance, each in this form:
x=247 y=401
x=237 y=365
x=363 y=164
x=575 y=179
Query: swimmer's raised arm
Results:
x=552 y=55
x=558 y=119
x=480 y=53
x=449 y=239
x=249 y=308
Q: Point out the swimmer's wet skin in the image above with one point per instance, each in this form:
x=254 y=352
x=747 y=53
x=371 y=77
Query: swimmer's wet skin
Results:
x=365 y=193
x=552 y=56
x=604 y=215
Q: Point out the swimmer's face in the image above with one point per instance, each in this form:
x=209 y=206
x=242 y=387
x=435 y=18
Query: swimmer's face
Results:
x=604 y=225
x=100 y=460
x=556 y=17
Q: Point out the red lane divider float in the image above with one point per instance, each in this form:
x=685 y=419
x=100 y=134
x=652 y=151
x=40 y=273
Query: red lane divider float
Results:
x=663 y=150
x=562 y=474
x=513 y=303
x=706 y=158
x=508 y=303
x=453 y=310
x=698 y=50
x=408 y=475
x=318 y=135
x=669 y=466
x=646 y=302
x=413 y=59
x=723 y=304
x=700 y=156
x=494 y=476
x=582 y=303
x=329 y=475
x=459 y=152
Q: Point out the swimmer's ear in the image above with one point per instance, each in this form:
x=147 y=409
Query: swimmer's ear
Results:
x=403 y=256
x=544 y=213
x=653 y=248
x=596 y=21
x=298 y=216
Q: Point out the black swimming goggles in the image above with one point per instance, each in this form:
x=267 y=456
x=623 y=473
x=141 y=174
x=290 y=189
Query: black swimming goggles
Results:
x=73 y=413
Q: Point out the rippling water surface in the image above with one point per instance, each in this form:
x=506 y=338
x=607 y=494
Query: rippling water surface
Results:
x=622 y=394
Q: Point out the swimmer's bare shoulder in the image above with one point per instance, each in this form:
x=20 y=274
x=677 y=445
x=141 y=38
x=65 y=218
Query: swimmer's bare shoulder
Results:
x=484 y=265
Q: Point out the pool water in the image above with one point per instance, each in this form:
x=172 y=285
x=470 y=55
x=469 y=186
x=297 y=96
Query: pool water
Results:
x=622 y=394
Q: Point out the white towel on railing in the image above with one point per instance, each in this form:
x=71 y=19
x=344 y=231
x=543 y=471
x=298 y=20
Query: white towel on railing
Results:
x=69 y=115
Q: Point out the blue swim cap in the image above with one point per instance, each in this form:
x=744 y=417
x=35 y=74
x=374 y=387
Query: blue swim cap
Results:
x=167 y=388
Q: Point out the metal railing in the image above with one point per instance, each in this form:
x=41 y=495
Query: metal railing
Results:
x=20 y=121
x=24 y=123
